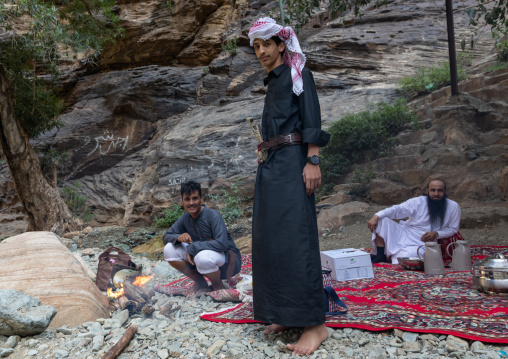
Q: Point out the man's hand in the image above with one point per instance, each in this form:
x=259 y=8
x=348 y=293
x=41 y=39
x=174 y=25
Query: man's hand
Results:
x=429 y=236
x=190 y=259
x=184 y=238
x=311 y=178
x=372 y=223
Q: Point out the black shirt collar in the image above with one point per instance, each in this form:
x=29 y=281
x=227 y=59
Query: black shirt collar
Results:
x=274 y=73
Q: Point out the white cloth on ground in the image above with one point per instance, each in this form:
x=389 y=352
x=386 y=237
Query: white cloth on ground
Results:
x=206 y=261
x=403 y=239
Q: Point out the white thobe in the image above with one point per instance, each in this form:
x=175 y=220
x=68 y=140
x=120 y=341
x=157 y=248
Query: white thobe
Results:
x=404 y=238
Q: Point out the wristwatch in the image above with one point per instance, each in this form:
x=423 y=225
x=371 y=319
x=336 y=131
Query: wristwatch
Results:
x=313 y=159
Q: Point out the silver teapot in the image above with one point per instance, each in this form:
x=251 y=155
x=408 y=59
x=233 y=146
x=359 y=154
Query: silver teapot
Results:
x=490 y=275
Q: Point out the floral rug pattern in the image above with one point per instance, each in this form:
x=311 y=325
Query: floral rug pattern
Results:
x=407 y=300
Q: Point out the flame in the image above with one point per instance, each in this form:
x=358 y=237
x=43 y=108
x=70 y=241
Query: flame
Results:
x=142 y=280
x=138 y=282
x=116 y=294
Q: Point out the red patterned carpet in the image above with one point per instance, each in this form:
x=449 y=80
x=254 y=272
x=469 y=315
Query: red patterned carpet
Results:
x=407 y=300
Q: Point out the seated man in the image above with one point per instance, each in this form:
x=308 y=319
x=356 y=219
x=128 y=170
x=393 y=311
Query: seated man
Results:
x=431 y=217
x=198 y=244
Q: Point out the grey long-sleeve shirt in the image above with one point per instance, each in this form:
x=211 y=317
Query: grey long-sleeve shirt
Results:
x=208 y=225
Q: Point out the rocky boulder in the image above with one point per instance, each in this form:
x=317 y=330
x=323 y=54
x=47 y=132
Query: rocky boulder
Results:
x=165 y=32
x=341 y=215
x=464 y=142
x=115 y=114
x=21 y=314
x=39 y=265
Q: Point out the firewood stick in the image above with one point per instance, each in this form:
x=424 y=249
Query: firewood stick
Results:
x=123 y=301
x=122 y=343
x=147 y=309
x=134 y=293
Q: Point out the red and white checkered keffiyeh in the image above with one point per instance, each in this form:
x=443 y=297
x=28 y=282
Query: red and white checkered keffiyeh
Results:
x=265 y=28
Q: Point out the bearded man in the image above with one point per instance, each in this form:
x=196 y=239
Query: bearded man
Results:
x=430 y=218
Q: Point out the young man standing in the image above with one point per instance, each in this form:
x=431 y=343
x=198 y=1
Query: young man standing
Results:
x=198 y=244
x=287 y=280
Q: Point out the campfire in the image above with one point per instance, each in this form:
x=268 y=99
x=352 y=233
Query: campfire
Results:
x=133 y=295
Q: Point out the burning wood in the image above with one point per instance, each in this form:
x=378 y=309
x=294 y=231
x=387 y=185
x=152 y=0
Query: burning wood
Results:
x=133 y=295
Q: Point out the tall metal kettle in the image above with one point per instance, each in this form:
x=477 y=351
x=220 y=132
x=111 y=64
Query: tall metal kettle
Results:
x=461 y=257
x=433 y=259
x=491 y=275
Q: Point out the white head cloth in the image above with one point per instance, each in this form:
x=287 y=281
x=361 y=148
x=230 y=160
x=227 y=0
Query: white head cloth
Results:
x=264 y=29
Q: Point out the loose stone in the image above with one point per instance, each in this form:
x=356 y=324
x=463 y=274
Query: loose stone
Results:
x=409 y=337
x=12 y=341
x=5 y=352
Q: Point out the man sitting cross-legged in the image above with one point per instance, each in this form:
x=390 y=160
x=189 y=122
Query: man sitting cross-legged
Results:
x=432 y=217
x=198 y=244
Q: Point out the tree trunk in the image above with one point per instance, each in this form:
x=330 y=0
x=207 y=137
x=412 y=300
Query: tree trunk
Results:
x=45 y=208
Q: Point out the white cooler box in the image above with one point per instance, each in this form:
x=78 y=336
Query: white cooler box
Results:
x=347 y=264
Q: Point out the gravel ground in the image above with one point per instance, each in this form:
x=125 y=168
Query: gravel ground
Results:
x=186 y=336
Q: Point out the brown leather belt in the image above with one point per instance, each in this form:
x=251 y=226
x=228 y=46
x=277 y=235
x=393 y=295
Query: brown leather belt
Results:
x=282 y=140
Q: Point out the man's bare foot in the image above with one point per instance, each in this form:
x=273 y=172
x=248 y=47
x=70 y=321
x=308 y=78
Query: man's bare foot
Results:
x=275 y=328
x=196 y=286
x=218 y=286
x=311 y=339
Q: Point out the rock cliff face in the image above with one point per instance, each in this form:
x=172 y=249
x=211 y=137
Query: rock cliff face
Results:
x=167 y=104
x=464 y=142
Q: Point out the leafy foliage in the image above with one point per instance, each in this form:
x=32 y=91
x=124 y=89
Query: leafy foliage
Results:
x=77 y=202
x=502 y=56
x=229 y=202
x=356 y=135
x=501 y=65
x=493 y=13
x=361 y=178
x=340 y=6
x=428 y=79
x=169 y=216
x=30 y=57
x=297 y=13
x=230 y=46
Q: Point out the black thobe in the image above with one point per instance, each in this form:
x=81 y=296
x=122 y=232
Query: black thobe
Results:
x=287 y=280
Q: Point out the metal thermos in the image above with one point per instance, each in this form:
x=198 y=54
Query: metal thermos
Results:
x=433 y=259
x=461 y=258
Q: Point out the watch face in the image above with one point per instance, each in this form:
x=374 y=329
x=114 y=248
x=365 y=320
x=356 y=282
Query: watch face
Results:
x=314 y=160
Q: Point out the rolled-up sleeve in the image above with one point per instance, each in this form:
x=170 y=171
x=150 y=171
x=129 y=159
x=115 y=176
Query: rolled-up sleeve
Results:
x=311 y=112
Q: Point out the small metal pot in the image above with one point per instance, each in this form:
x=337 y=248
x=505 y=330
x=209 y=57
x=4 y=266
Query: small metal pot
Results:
x=490 y=275
x=411 y=263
